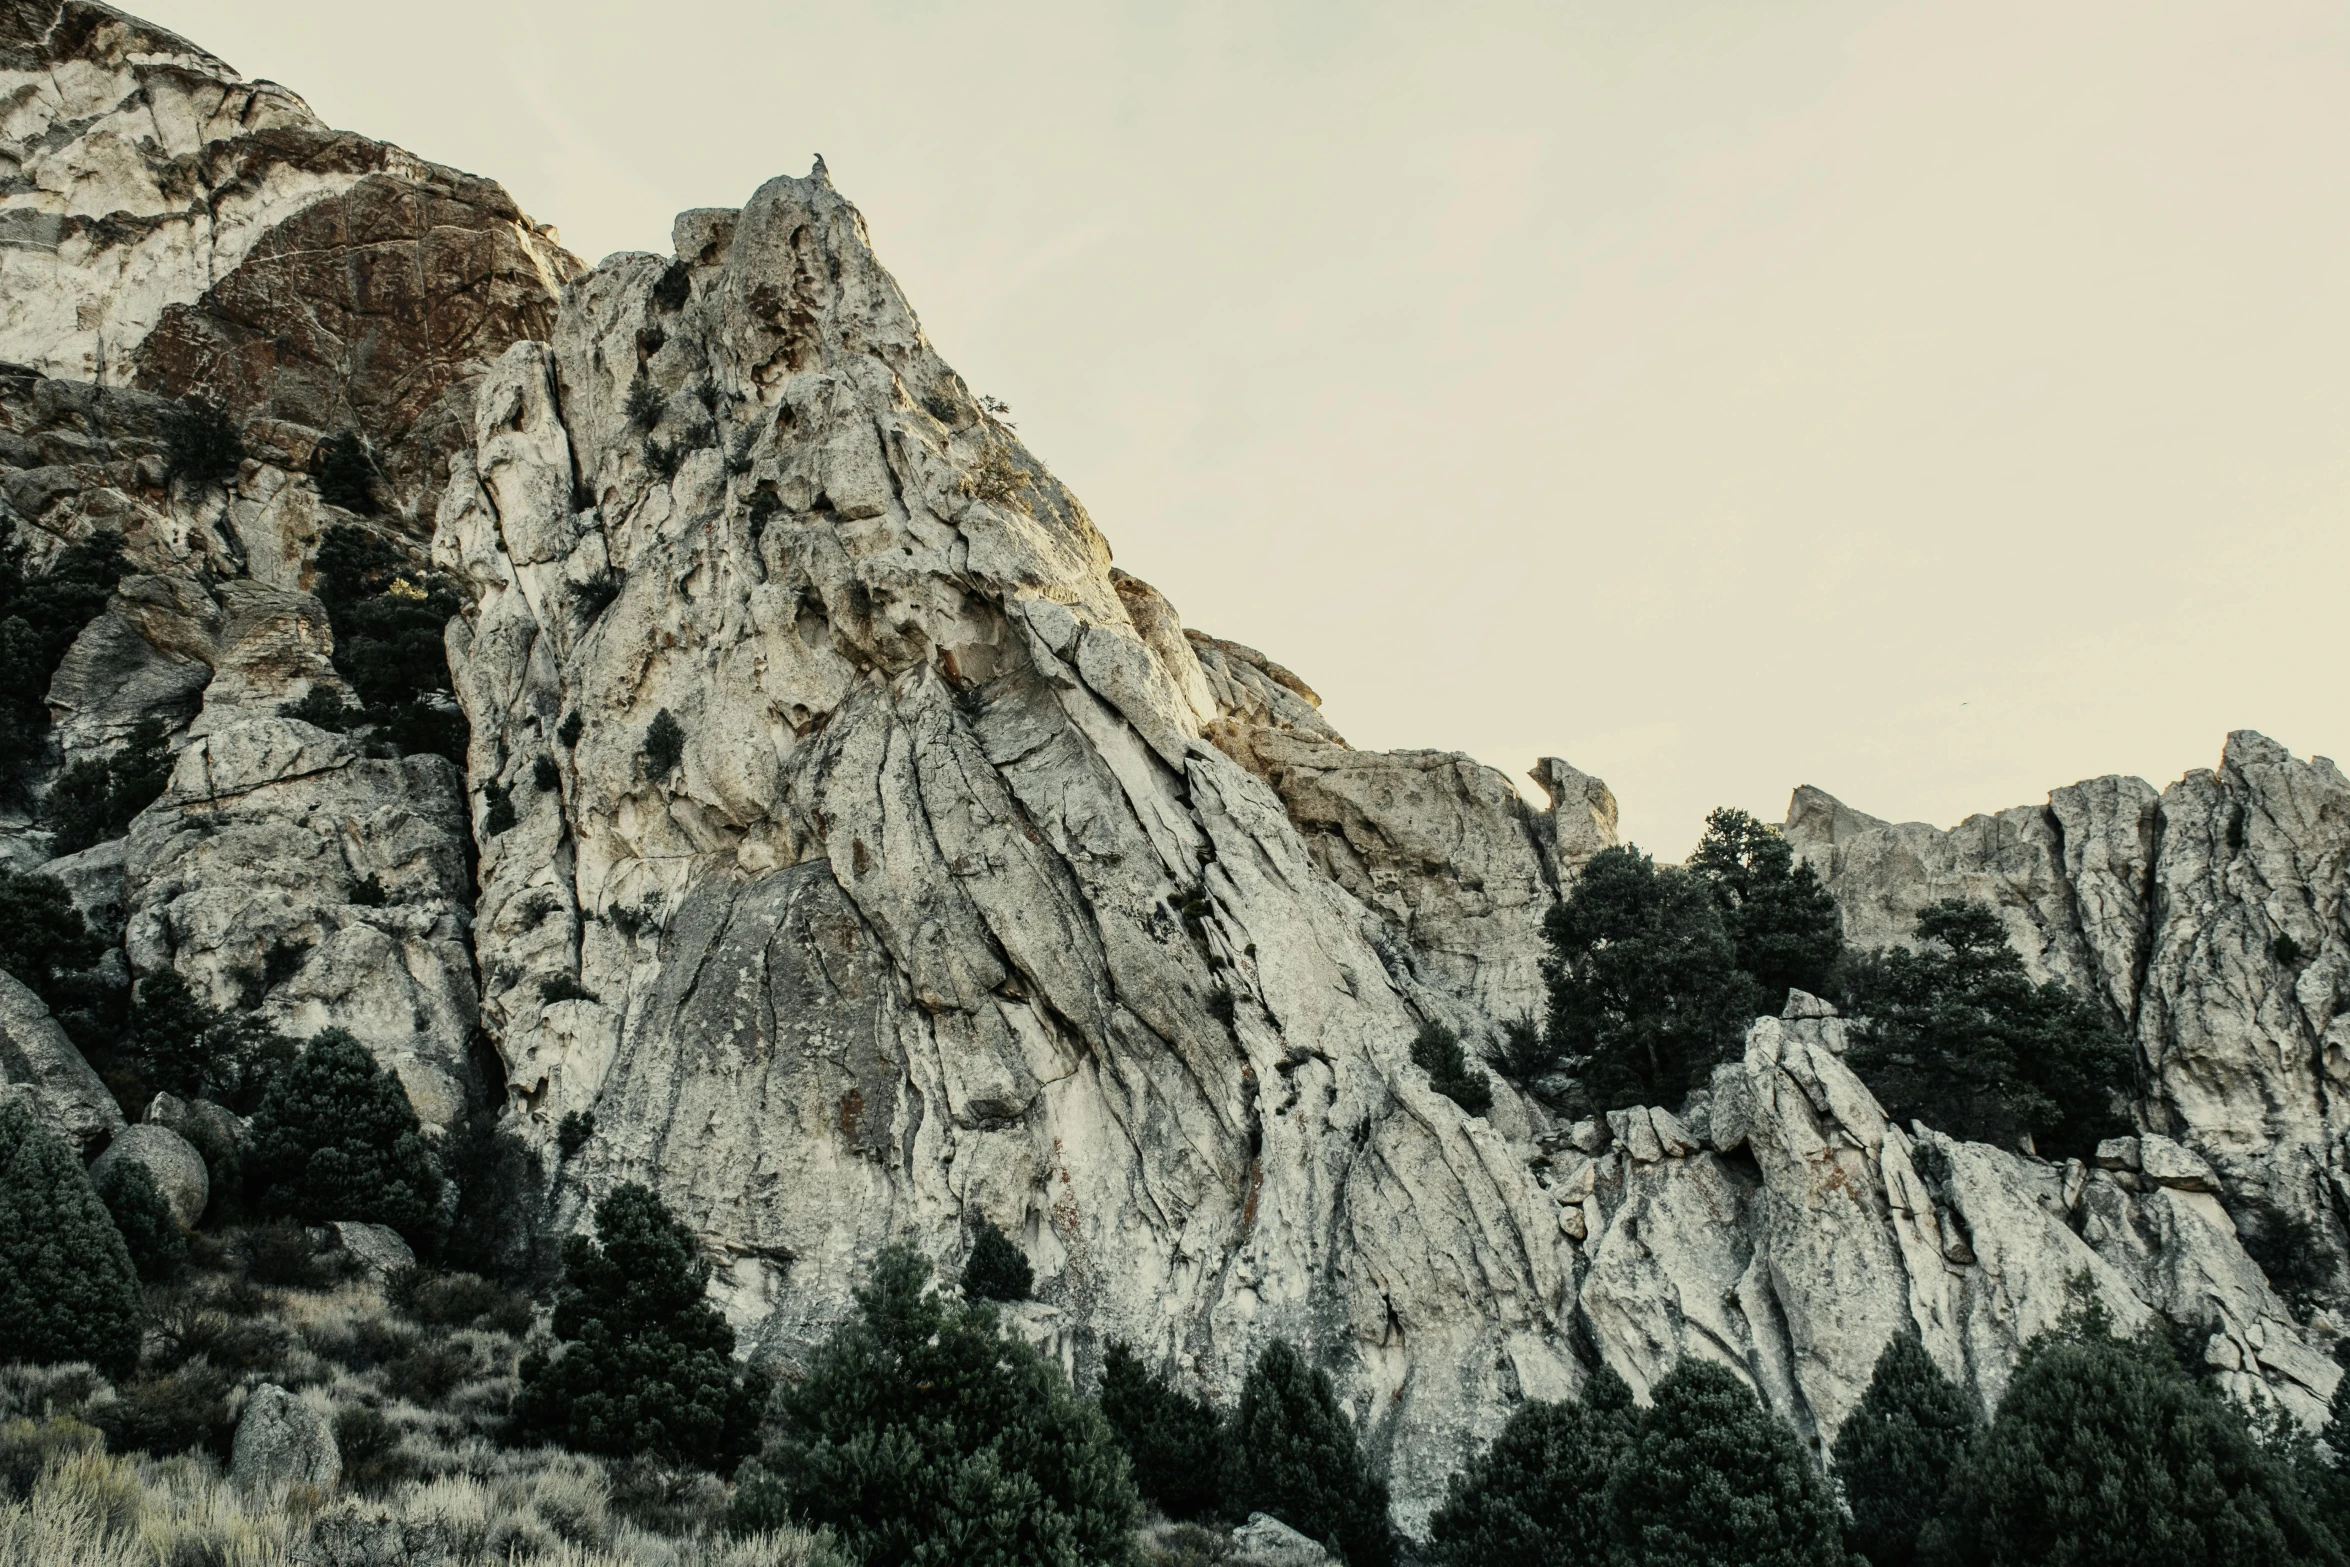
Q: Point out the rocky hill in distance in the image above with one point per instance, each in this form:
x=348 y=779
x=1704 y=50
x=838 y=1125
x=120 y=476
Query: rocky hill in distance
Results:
x=873 y=858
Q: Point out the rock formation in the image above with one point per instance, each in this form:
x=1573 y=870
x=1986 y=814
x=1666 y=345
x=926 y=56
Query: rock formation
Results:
x=874 y=859
x=2213 y=920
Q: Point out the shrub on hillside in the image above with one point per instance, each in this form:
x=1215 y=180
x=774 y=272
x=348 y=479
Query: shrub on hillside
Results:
x=144 y=1219
x=1291 y=1452
x=1169 y=1436
x=94 y=799
x=997 y=1269
x=1644 y=980
x=1437 y=1052
x=202 y=444
x=1895 y=1451
x=2104 y=1450
x=44 y=940
x=67 y=1288
x=346 y=475
x=335 y=1138
x=1712 y=1477
x=646 y=1363
x=1955 y=1034
x=922 y=1434
x=1534 y=1498
x=664 y=745
x=186 y=1048
x=388 y=616
x=1781 y=921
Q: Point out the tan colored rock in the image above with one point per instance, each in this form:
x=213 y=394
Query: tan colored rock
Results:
x=179 y=1171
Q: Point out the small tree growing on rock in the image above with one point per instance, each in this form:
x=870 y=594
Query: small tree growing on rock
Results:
x=1712 y=1479
x=647 y=1363
x=1644 y=980
x=1291 y=1452
x=336 y=1138
x=997 y=1269
x=1895 y=1451
x=1782 y=922
x=1170 y=1437
x=1437 y=1052
x=67 y=1287
x=664 y=745
x=921 y=1434
x=144 y=1219
x=1534 y=1498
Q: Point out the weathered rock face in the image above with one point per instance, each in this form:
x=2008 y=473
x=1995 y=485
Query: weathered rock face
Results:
x=169 y=229
x=284 y=1442
x=2214 y=921
x=170 y=223
x=974 y=888
x=284 y=871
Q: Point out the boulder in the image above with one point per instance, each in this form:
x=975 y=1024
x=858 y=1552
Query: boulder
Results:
x=1265 y=1541
x=284 y=1442
x=40 y=1064
x=377 y=1249
x=171 y=1159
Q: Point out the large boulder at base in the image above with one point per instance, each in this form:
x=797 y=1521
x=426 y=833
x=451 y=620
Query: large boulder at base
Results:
x=283 y=1442
x=178 y=1169
x=1265 y=1541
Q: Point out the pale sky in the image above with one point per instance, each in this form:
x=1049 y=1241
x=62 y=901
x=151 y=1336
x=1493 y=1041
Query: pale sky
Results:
x=1935 y=402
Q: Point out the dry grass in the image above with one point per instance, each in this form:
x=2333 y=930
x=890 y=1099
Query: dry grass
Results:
x=90 y=1509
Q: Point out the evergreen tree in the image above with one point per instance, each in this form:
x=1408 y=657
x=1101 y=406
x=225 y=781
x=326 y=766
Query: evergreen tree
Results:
x=388 y=614
x=922 y=1435
x=94 y=800
x=149 y=1232
x=44 y=940
x=67 y=1288
x=1712 y=1479
x=346 y=477
x=997 y=1269
x=647 y=1362
x=664 y=745
x=1534 y=1498
x=1895 y=1451
x=2105 y=1452
x=1437 y=1052
x=40 y=615
x=1955 y=1034
x=335 y=1138
x=1169 y=1436
x=1782 y=922
x=184 y=1047
x=1644 y=980
x=1291 y=1452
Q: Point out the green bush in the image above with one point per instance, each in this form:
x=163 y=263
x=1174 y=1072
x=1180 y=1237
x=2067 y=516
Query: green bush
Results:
x=172 y=1413
x=1782 y=922
x=44 y=940
x=1712 y=1479
x=647 y=1364
x=574 y=1130
x=67 y=1288
x=202 y=444
x=1437 y=1052
x=2103 y=1450
x=500 y=816
x=389 y=615
x=645 y=405
x=569 y=731
x=1644 y=980
x=1956 y=1035
x=149 y=1232
x=664 y=745
x=1895 y=1451
x=29 y=1446
x=324 y=708
x=545 y=776
x=185 y=1047
x=346 y=475
x=40 y=615
x=458 y=1300
x=921 y=1434
x=335 y=1138
x=997 y=1269
x=370 y=1449
x=1169 y=1436
x=1291 y=1452
x=1529 y=1051
x=1534 y=1498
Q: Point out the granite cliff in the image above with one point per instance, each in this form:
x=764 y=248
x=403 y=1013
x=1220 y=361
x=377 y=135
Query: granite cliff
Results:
x=873 y=858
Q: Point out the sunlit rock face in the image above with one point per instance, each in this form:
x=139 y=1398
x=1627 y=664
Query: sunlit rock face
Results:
x=969 y=886
x=2213 y=919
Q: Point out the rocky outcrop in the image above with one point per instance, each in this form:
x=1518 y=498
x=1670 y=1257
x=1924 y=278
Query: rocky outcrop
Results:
x=2214 y=921
x=39 y=1063
x=286 y=872
x=169 y=224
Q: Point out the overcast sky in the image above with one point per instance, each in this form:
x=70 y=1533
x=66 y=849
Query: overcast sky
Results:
x=1935 y=402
